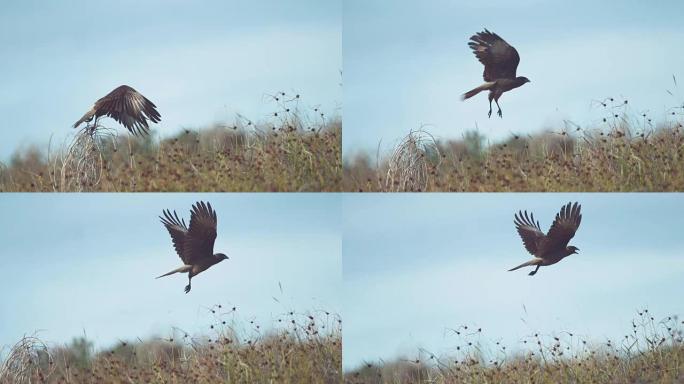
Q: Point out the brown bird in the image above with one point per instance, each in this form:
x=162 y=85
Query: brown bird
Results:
x=194 y=245
x=553 y=247
x=500 y=62
x=127 y=106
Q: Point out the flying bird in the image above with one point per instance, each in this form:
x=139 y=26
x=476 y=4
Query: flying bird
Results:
x=553 y=247
x=194 y=245
x=500 y=62
x=127 y=106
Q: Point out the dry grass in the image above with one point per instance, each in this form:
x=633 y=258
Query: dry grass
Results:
x=409 y=166
x=652 y=351
x=293 y=150
x=299 y=348
x=623 y=151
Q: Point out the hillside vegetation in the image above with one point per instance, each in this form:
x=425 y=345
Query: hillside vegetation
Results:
x=650 y=351
x=623 y=151
x=293 y=150
x=298 y=348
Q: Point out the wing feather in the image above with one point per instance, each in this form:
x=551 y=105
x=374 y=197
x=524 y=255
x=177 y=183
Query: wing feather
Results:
x=199 y=243
x=499 y=58
x=529 y=231
x=564 y=226
x=130 y=108
x=178 y=231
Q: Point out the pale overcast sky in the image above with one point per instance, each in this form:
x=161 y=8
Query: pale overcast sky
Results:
x=199 y=62
x=416 y=264
x=78 y=263
x=406 y=64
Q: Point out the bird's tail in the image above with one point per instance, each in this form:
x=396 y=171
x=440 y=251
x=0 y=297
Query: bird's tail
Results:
x=477 y=90
x=183 y=269
x=526 y=264
x=89 y=115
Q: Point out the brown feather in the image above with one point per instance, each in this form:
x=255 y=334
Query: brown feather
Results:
x=193 y=244
x=499 y=58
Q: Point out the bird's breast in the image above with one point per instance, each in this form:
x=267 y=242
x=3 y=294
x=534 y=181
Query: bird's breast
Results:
x=197 y=268
x=506 y=84
x=554 y=257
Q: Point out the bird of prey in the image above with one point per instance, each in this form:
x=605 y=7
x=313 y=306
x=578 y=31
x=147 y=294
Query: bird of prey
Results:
x=553 y=247
x=127 y=106
x=194 y=245
x=500 y=62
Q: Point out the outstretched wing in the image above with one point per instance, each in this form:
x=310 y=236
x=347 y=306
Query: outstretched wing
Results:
x=564 y=226
x=130 y=108
x=199 y=243
x=529 y=231
x=498 y=57
x=178 y=231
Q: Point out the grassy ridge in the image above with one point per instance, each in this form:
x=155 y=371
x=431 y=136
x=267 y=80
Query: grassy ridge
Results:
x=300 y=348
x=293 y=151
x=621 y=152
x=651 y=351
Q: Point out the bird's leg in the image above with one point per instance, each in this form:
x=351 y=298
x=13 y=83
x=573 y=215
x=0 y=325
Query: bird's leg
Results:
x=93 y=125
x=187 y=287
x=490 y=106
x=499 y=112
x=535 y=271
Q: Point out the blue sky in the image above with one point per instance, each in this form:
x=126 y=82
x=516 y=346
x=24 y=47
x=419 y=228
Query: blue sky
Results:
x=406 y=63
x=416 y=264
x=78 y=263
x=199 y=62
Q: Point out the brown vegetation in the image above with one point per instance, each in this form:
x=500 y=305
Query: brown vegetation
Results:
x=652 y=351
x=300 y=348
x=622 y=152
x=294 y=151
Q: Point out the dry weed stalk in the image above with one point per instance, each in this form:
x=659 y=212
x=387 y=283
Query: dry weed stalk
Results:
x=410 y=163
x=83 y=162
x=23 y=359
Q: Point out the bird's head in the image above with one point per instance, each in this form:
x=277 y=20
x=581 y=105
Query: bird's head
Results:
x=524 y=79
x=572 y=250
x=221 y=256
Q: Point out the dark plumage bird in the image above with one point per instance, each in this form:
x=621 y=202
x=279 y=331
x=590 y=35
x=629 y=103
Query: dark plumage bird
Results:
x=500 y=62
x=553 y=247
x=194 y=245
x=127 y=106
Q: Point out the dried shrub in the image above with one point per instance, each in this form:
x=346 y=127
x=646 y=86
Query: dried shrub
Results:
x=411 y=161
